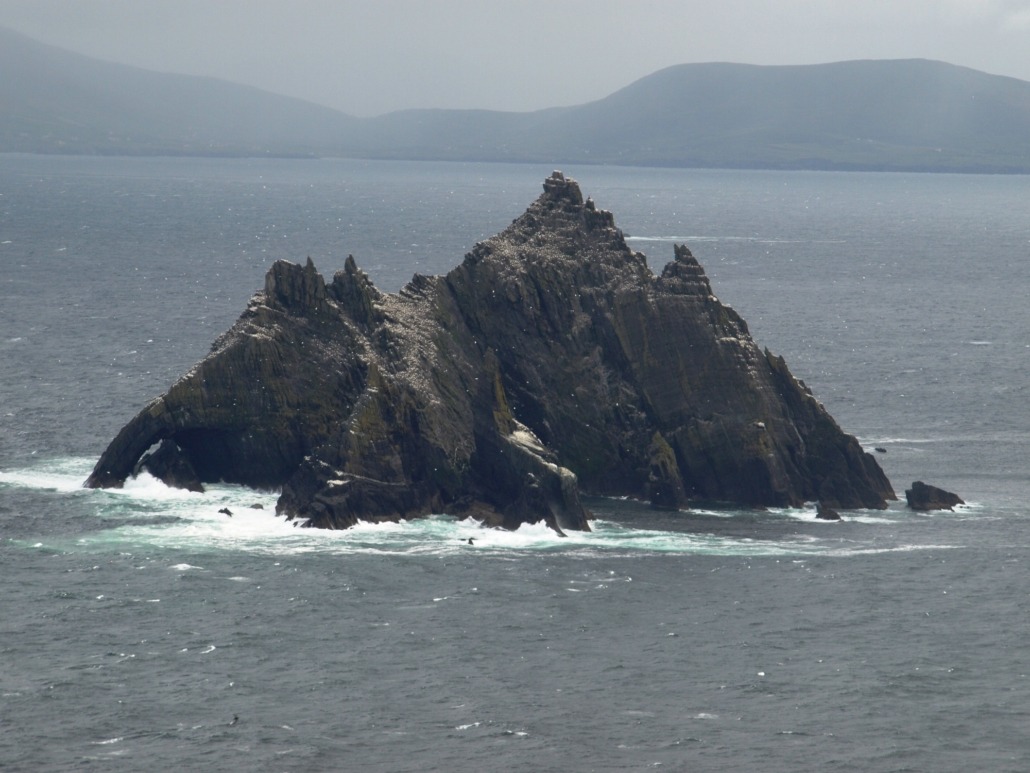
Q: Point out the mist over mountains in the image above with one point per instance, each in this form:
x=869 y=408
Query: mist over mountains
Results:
x=56 y=101
x=913 y=114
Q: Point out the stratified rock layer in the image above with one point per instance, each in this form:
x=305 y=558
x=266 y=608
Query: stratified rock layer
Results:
x=552 y=360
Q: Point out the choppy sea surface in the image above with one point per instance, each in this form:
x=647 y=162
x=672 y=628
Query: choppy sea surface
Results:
x=142 y=629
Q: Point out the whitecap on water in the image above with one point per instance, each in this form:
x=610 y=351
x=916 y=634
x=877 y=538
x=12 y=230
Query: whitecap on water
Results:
x=869 y=551
x=741 y=239
x=146 y=486
x=865 y=517
x=233 y=518
x=62 y=475
x=874 y=443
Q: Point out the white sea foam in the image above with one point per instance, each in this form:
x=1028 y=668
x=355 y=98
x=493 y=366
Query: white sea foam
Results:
x=891 y=439
x=146 y=512
x=866 y=517
x=870 y=551
x=146 y=486
x=809 y=514
x=63 y=475
x=200 y=527
x=744 y=239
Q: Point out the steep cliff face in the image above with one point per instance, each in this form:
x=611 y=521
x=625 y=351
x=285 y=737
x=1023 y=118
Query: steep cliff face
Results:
x=551 y=360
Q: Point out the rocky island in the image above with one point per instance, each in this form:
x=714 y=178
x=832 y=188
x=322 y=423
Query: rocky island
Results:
x=551 y=361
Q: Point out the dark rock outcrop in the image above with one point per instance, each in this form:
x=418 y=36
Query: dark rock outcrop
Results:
x=924 y=497
x=824 y=513
x=552 y=360
x=168 y=463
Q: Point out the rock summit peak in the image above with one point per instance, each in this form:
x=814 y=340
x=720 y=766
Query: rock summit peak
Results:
x=550 y=361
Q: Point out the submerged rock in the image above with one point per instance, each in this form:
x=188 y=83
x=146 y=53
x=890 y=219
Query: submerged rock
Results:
x=923 y=496
x=552 y=360
x=824 y=513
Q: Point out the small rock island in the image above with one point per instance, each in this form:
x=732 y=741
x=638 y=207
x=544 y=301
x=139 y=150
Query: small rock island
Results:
x=551 y=362
x=924 y=497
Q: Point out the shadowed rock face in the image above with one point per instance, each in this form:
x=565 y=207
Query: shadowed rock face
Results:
x=923 y=496
x=552 y=360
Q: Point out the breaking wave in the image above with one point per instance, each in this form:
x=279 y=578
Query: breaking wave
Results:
x=147 y=513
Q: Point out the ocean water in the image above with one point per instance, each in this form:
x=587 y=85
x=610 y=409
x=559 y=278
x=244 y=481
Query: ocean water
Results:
x=142 y=629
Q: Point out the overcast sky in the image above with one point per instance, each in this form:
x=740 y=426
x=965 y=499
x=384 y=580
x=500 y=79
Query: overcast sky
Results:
x=367 y=57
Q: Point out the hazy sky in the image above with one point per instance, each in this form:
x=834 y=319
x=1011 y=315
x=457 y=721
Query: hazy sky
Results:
x=371 y=56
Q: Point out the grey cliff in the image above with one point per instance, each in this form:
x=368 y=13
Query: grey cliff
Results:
x=551 y=361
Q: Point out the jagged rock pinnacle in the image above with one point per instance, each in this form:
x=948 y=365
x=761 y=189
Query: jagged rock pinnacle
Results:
x=550 y=361
x=557 y=186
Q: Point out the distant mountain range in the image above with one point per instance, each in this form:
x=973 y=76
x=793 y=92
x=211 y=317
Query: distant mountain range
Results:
x=862 y=115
